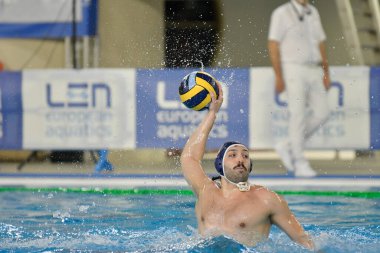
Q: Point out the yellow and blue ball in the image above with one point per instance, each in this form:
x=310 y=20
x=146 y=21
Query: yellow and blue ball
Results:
x=195 y=90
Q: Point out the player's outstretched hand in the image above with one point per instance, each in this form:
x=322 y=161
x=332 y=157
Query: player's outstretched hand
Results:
x=216 y=103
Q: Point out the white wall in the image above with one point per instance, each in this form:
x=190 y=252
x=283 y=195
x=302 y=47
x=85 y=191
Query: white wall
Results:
x=131 y=34
x=245 y=30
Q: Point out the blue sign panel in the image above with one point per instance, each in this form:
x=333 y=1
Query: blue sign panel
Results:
x=163 y=122
x=10 y=111
x=374 y=98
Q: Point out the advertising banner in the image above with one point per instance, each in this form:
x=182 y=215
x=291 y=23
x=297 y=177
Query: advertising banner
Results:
x=79 y=109
x=164 y=122
x=347 y=128
x=47 y=18
x=141 y=108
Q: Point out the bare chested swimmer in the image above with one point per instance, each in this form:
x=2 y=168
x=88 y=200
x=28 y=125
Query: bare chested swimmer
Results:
x=232 y=206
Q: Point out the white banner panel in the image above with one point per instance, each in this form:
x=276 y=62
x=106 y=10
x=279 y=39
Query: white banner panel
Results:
x=347 y=128
x=38 y=11
x=79 y=109
x=261 y=108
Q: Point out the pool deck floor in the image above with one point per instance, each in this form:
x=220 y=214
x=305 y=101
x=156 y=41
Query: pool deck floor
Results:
x=358 y=173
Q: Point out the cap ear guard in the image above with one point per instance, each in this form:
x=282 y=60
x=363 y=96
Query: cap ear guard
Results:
x=218 y=163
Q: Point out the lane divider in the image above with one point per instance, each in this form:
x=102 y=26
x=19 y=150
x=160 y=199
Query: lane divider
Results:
x=351 y=194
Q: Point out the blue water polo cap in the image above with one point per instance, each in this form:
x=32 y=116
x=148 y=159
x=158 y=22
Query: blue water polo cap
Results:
x=220 y=156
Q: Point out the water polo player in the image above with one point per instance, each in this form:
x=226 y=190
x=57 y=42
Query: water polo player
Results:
x=233 y=207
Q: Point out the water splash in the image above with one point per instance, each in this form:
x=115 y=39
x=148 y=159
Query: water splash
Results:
x=202 y=66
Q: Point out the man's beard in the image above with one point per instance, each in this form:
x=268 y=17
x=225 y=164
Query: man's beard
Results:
x=237 y=177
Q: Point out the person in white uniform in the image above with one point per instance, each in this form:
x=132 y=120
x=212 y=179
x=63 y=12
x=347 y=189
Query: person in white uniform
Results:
x=296 y=44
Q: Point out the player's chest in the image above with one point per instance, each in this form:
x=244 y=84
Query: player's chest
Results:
x=234 y=212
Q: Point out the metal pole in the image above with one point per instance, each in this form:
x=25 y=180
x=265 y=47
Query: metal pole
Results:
x=86 y=52
x=96 y=52
x=74 y=35
x=350 y=31
x=68 y=59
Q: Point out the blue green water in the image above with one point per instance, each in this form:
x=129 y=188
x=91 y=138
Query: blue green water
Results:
x=89 y=222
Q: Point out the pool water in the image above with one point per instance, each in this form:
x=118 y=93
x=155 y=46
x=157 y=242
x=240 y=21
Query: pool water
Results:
x=55 y=221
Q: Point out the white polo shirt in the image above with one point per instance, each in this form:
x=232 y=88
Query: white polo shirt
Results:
x=299 y=31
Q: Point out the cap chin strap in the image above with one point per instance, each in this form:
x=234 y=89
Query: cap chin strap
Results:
x=242 y=186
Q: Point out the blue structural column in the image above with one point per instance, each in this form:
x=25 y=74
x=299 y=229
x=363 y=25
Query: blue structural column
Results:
x=103 y=163
x=374 y=97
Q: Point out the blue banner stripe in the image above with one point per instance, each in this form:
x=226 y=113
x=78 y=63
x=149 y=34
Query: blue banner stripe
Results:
x=374 y=98
x=11 y=111
x=48 y=30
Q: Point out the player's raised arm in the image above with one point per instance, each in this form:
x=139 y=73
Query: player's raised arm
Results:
x=194 y=149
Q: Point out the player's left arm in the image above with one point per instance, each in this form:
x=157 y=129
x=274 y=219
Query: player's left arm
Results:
x=283 y=217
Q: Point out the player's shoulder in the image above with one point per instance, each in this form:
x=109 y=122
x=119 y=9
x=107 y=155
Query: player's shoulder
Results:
x=265 y=192
x=261 y=189
x=212 y=184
